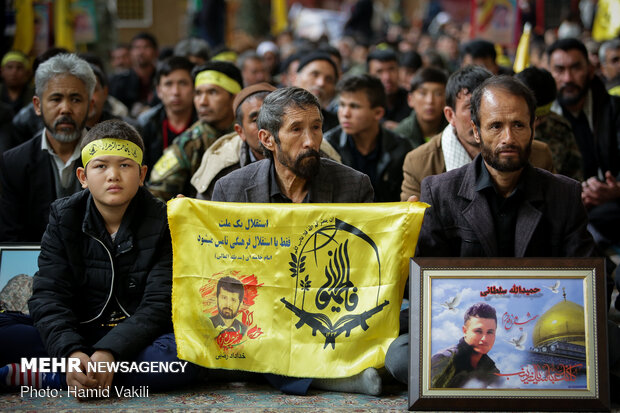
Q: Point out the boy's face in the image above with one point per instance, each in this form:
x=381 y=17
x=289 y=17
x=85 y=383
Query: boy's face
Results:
x=480 y=333
x=112 y=180
x=355 y=114
x=428 y=101
x=176 y=91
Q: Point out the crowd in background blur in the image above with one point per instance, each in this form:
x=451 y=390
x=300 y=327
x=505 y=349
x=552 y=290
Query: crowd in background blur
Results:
x=155 y=87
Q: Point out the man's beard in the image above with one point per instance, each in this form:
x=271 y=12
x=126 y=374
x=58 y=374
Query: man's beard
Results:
x=65 y=137
x=305 y=165
x=571 y=100
x=492 y=157
x=227 y=313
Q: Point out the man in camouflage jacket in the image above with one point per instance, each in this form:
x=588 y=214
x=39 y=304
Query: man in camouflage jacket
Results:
x=216 y=85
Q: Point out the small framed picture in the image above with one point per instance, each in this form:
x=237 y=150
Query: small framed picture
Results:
x=508 y=334
x=18 y=259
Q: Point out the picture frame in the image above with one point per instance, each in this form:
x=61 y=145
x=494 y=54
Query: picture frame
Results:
x=537 y=355
x=16 y=259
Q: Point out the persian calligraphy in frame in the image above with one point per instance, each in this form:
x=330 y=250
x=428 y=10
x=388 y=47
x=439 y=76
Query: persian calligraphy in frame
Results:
x=508 y=334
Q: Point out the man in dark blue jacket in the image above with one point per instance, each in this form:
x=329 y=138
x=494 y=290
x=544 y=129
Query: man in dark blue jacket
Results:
x=42 y=169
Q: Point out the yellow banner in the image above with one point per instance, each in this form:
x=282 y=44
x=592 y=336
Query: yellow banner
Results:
x=607 y=20
x=301 y=290
x=279 y=18
x=24 y=30
x=522 y=57
x=64 y=25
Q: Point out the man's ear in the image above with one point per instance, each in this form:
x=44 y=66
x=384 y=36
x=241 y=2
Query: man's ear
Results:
x=81 y=176
x=410 y=99
x=143 y=170
x=448 y=112
x=37 y=105
x=239 y=131
x=266 y=139
x=379 y=111
x=476 y=131
x=591 y=70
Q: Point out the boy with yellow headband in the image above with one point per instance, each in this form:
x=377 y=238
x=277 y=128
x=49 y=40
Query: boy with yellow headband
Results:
x=102 y=293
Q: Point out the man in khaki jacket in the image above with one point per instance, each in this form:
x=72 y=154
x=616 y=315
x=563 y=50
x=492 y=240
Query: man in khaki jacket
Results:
x=456 y=146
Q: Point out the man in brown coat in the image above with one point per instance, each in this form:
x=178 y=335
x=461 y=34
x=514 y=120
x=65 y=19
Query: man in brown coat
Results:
x=456 y=146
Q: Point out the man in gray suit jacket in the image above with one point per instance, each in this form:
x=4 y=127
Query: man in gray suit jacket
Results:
x=290 y=132
x=499 y=205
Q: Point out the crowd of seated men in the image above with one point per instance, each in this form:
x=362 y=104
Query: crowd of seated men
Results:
x=512 y=165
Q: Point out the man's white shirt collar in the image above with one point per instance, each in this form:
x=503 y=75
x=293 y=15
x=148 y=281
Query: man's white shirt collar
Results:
x=65 y=169
x=454 y=154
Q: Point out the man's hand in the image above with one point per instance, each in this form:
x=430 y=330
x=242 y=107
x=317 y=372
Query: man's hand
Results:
x=390 y=124
x=596 y=192
x=103 y=378
x=412 y=198
x=80 y=380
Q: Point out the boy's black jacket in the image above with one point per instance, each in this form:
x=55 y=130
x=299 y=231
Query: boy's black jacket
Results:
x=77 y=284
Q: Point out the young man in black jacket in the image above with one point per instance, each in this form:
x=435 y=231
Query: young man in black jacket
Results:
x=102 y=293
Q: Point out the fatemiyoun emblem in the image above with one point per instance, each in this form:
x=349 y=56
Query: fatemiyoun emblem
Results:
x=336 y=291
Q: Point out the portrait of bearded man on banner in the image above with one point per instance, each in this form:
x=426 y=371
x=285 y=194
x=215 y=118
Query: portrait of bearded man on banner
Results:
x=230 y=292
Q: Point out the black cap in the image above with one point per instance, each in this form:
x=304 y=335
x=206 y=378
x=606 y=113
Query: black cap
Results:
x=311 y=57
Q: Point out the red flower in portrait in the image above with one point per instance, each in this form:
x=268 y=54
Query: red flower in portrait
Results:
x=250 y=285
x=255 y=332
x=227 y=339
x=247 y=317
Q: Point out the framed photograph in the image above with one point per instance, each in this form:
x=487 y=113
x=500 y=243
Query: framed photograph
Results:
x=17 y=259
x=508 y=334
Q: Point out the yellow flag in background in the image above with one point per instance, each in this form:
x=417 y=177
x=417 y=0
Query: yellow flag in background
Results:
x=63 y=25
x=301 y=290
x=607 y=20
x=24 y=22
x=279 y=19
x=522 y=58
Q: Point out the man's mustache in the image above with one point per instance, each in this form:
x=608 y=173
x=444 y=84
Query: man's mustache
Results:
x=507 y=148
x=311 y=153
x=570 y=84
x=64 y=119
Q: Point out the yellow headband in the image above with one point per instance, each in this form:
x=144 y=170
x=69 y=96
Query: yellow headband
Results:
x=228 y=56
x=110 y=146
x=15 y=57
x=543 y=110
x=214 y=77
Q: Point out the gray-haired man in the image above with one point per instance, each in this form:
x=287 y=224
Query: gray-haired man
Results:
x=42 y=169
